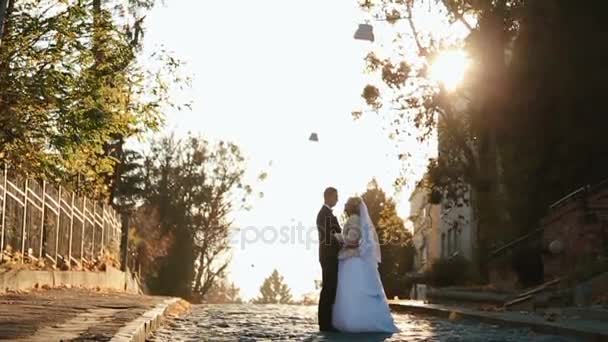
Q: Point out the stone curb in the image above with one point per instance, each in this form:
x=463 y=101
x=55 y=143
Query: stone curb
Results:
x=551 y=328
x=139 y=329
x=466 y=296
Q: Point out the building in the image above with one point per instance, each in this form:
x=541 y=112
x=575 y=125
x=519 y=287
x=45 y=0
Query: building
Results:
x=441 y=230
x=425 y=219
x=457 y=228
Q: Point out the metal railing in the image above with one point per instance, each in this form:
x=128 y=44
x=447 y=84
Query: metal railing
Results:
x=40 y=221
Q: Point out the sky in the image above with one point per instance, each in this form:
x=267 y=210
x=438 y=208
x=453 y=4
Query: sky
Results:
x=266 y=74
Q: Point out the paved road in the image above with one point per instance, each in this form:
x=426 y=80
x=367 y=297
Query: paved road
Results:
x=69 y=314
x=298 y=323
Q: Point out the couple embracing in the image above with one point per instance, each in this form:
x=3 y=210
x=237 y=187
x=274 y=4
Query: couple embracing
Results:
x=352 y=297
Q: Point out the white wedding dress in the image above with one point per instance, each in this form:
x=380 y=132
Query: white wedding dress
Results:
x=361 y=305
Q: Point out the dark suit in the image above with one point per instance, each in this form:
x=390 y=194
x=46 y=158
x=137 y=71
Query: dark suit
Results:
x=327 y=225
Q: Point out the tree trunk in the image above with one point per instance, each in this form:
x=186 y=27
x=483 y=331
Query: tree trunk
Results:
x=3 y=11
x=491 y=45
x=96 y=39
x=205 y=277
x=124 y=240
x=115 y=147
x=6 y=9
x=199 y=274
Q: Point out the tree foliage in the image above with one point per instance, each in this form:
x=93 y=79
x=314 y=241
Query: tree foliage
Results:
x=311 y=298
x=552 y=140
x=455 y=271
x=195 y=186
x=147 y=244
x=526 y=127
x=71 y=83
x=223 y=292
x=395 y=240
x=131 y=183
x=274 y=291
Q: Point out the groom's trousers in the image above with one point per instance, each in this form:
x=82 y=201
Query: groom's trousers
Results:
x=329 y=285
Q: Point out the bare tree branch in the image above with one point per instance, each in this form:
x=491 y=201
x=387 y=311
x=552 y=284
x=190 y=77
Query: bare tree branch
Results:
x=457 y=15
x=422 y=51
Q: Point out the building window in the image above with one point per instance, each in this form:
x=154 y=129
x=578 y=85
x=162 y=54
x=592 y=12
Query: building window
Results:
x=456 y=237
x=423 y=256
x=450 y=239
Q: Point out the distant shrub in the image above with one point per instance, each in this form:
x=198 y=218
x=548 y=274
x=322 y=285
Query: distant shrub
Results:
x=450 y=272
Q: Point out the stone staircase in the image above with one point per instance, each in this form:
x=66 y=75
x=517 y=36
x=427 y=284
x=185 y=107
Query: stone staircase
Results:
x=554 y=294
x=539 y=296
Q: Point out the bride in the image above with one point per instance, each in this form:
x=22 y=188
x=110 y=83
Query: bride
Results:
x=360 y=304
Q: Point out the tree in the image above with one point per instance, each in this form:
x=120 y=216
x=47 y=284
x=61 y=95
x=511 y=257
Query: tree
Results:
x=128 y=190
x=70 y=83
x=131 y=183
x=553 y=141
x=147 y=243
x=395 y=241
x=196 y=186
x=311 y=298
x=274 y=291
x=467 y=120
x=515 y=142
x=223 y=292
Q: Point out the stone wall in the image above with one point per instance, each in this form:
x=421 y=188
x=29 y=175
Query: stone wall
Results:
x=502 y=276
x=112 y=278
x=577 y=227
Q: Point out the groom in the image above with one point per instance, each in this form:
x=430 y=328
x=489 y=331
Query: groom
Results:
x=328 y=226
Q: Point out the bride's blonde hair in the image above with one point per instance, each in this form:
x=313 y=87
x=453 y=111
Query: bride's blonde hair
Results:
x=352 y=206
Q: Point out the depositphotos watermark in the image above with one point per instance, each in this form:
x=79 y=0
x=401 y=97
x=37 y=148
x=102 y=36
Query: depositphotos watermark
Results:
x=297 y=234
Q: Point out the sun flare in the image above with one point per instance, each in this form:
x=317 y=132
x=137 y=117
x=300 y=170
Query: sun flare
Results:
x=449 y=68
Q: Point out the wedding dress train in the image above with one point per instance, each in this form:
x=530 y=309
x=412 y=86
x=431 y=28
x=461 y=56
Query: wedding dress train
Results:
x=361 y=304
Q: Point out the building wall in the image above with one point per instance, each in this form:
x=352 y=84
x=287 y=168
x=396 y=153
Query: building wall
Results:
x=440 y=231
x=456 y=230
x=582 y=231
x=435 y=235
x=425 y=221
x=417 y=200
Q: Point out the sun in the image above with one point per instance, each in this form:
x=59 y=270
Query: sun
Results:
x=449 y=68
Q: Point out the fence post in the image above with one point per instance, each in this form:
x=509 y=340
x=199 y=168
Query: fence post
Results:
x=23 y=228
x=102 y=247
x=71 y=231
x=3 y=213
x=103 y=223
x=84 y=228
x=58 y=227
x=124 y=241
x=42 y=220
x=108 y=218
x=95 y=228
